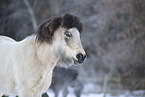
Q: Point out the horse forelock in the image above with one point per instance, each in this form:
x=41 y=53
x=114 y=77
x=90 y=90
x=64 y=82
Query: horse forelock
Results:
x=46 y=30
x=70 y=21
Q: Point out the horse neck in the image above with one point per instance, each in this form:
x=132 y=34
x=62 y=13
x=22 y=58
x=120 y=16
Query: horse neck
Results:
x=46 y=55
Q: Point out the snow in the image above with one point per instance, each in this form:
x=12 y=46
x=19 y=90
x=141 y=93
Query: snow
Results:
x=89 y=91
x=51 y=94
x=89 y=87
x=137 y=93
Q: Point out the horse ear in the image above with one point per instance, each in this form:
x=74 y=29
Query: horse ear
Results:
x=46 y=30
x=67 y=15
x=70 y=21
x=67 y=20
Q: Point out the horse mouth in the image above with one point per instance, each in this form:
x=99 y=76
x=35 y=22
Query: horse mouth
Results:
x=76 y=63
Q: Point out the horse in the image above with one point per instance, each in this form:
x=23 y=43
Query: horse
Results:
x=26 y=66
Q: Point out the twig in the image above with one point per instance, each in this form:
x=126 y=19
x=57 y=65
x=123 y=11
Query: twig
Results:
x=34 y=22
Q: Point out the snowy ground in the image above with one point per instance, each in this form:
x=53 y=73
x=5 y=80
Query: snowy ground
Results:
x=140 y=93
x=90 y=87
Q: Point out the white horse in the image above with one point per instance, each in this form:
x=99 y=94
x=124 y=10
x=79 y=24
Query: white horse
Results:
x=26 y=66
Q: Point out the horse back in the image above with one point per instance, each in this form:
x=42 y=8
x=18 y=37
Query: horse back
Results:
x=5 y=38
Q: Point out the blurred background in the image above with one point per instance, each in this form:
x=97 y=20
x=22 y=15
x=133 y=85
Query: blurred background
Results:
x=113 y=37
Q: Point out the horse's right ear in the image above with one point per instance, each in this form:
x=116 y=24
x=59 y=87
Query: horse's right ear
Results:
x=46 y=29
x=70 y=21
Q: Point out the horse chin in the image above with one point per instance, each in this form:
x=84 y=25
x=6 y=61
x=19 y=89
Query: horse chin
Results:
x=65 y=65
x=65 y=62
x=70 y=62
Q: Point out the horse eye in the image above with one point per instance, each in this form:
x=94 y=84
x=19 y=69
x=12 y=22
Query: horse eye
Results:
x=68 y=34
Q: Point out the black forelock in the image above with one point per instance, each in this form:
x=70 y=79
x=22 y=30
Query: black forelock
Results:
x=70 y=21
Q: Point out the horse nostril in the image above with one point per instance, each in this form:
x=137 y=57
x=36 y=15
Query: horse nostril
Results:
x=85 y=56
x=80 y=57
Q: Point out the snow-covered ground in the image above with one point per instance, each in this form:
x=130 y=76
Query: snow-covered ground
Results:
x=140 y=93
x=89 y=91
x=51 y=94
x=91 y=87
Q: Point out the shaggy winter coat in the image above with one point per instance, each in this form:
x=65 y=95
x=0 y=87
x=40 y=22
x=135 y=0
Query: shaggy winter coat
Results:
x=26 y=66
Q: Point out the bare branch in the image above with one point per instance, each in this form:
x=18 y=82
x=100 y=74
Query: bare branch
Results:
x=34 y=22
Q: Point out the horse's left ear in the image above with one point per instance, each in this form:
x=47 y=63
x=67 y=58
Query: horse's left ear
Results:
x=70 y=21
x=45 y=31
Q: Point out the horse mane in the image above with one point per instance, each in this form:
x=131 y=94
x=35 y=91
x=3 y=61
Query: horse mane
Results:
x=46 y=30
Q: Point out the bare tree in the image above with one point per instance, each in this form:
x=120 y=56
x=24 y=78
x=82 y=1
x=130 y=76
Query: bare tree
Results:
x=34 y=22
